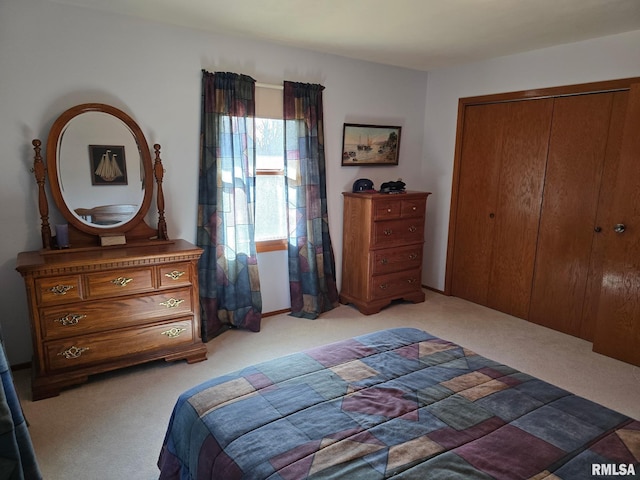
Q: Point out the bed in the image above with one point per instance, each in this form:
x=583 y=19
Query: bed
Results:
x=396 y=403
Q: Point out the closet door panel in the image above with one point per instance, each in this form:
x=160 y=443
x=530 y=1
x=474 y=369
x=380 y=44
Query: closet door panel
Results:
x=604 y=215
x=503 y=156
x=478 y=186
x=618 y=322
x=524 y=154
x=577 y=149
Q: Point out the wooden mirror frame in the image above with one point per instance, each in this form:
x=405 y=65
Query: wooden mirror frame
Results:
x=83 y=234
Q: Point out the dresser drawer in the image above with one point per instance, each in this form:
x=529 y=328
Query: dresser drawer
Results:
x=392 y=260
x=413 y=208
x=90 y=317
x=91 y=349
x=58 y=289
x=395 y=284
x=175 y=275
x=398 y=232
x=119 y=282
x=386 y=208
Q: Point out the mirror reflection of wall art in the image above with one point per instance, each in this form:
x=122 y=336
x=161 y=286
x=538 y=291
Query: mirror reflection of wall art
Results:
x=108 y=165
x=370 y=145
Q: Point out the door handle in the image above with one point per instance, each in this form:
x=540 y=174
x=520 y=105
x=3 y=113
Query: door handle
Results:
x=619 y=228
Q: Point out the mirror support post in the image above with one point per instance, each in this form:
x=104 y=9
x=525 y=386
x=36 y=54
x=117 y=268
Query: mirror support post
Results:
x=40 y=171
x=158 y=170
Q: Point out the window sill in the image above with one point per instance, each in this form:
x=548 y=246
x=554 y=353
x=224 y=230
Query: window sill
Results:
x=271 y=245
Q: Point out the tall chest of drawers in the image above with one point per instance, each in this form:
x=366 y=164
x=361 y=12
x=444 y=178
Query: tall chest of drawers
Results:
x=96 y=310
x=383 y=237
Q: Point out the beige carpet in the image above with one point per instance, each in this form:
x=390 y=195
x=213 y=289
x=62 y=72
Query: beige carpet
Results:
x=112 y=427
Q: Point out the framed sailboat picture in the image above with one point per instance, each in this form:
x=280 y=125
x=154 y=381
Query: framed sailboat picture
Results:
x=108 y=165
x=370 y=145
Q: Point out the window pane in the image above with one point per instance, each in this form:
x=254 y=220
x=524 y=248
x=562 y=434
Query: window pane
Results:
x=271 y=221
x=269 y=144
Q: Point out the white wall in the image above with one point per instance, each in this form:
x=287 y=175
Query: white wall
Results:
x=606 y=58
x=55 y=56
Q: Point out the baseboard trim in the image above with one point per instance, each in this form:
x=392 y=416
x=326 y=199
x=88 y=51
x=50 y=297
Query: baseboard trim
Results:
x=441 y=292
x=20 y=366
x=276 y=312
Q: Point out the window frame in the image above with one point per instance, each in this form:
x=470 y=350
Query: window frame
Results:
x=277 y=244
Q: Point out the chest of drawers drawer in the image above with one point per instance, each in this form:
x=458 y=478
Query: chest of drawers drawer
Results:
x=412 y=208
x=395 y=284
x=386 y=208
x=398 y=232
x=392 y=260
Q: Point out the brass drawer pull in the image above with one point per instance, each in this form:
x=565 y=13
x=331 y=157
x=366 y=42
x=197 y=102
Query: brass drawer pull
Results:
x=174 y=332
x=60 y=289
x=388 y=210
x=384 y=261
x=175 y=275
x=413 y=229
x=388 y=231
x=121 y=281
x=411 y=281
x=384 y=286
x=70 y=319
x=73 y=352
x=413 y=256
x=172 y=303
x=414 y=208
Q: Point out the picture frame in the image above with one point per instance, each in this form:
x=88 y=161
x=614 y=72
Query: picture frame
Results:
x=368 y=145
x=108 y=165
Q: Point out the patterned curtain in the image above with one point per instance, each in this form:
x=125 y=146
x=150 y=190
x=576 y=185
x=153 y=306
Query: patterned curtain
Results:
x=311 y=262
x=228 y=269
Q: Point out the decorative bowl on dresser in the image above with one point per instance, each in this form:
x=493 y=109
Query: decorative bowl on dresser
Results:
x=120 y=293
x=383 y=236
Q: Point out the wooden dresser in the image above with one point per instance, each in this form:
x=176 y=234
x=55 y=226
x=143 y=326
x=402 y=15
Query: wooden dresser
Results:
x=99 y=309
x=383 y=236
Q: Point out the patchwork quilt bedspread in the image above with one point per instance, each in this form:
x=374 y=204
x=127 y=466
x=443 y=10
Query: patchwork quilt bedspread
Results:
x=397 y=403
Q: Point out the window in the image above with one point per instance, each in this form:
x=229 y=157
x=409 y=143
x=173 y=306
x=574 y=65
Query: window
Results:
x=271 y=214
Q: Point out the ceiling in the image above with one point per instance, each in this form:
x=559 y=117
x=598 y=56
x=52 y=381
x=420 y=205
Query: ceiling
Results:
x=416 y=34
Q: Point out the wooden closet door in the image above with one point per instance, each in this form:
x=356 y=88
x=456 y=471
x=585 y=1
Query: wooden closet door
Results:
x=603 y=217
x=577 y=149
x=618 y=322
x=477 y=192
x=524 y=156
x=501 y=175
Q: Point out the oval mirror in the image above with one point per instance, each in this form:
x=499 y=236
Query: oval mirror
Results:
x=100 y=169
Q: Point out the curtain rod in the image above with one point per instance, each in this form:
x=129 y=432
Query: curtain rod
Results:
x=269 y=85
